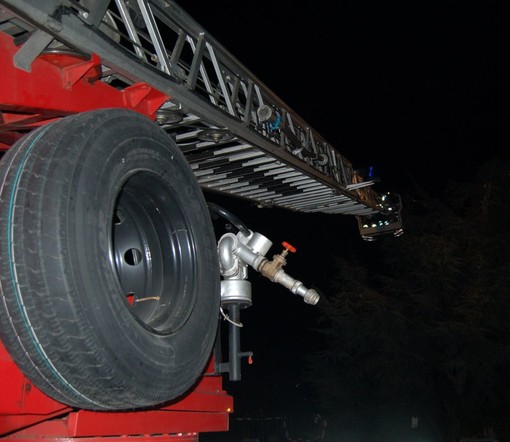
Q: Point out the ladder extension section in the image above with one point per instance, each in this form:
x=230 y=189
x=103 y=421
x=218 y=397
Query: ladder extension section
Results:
x=238 y=136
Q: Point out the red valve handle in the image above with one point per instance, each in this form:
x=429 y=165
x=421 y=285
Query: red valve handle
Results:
x=289 y=247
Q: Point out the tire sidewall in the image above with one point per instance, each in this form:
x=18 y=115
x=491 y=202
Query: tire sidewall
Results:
x=85 y=176
x=138 y=150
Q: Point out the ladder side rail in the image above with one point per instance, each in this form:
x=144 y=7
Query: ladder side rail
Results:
x=74 y=32
x=224 y=62
x=222 y=71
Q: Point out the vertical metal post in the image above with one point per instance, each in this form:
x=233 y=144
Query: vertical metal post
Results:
x=234 y=342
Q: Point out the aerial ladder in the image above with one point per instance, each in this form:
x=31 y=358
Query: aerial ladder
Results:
x=117 y=119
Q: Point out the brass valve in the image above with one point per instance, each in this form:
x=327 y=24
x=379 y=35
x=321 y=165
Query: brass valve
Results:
x=270 y=268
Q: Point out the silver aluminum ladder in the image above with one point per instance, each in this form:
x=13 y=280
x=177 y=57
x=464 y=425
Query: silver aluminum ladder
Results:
x=238 y=136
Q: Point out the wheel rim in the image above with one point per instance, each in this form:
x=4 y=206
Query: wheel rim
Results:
x=154 y=253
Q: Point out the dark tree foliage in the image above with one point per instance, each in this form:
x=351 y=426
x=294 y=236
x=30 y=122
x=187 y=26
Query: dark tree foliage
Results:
x=424 y=329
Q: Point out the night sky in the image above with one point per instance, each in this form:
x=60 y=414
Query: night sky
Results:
x=419 y=90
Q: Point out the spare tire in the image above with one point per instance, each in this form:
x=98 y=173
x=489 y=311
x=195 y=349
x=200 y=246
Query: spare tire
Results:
x=109 y=279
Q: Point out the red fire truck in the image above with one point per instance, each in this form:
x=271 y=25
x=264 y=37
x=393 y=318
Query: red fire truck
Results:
x=116 y=119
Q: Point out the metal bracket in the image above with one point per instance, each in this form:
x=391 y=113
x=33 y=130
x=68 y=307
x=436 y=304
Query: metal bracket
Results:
x=38 y=42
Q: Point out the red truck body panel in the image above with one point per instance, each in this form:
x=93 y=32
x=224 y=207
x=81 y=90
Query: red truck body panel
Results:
x=28 y=414
x=60 y=84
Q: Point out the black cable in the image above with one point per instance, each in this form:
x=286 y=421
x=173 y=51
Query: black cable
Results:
x=231 y=218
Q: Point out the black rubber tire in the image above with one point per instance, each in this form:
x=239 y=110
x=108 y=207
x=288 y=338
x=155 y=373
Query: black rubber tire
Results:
x=109 y=279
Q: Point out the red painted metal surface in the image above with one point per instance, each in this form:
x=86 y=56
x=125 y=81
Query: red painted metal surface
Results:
x=28 y=414
x=59 y=84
